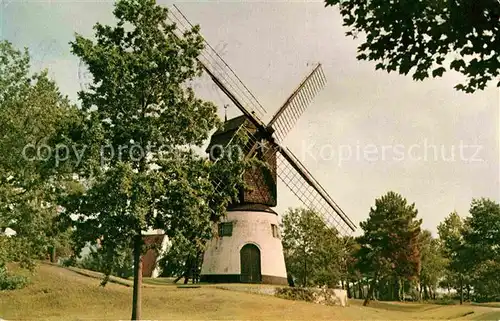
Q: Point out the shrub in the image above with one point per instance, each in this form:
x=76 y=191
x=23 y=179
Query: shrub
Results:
x=323 y=295
x=11 y=282
x=302 y=294
x=96 y=261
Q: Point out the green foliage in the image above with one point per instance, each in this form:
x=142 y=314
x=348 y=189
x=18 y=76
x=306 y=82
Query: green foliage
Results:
x=33 y=117
x=352 y=274
x=485 y=281
x=433 y=264
x=298 y=294
x=11 y=282
x=482 y=232
x=481 y=237
x=7 y=249
x=389 y=246
x=313 y=252
x=322 y=295
x=148 y=175
x=451 y=236
x=178 y=258
x=96 y=261
x=472 y=248
x=450 y=232
x=428 y=37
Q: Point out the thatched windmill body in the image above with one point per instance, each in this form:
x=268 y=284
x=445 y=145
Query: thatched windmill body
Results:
x=247 y=247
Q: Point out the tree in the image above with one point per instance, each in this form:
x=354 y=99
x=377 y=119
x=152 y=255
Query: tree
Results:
x=33 y=118
x=433 y=264
x=96 y=261
x=313 y=252
x=482 y=244
x=352 y=273
x=451 y=235
x=428 y=37
x=183 y=259
x=141 y=170
x=389 y=245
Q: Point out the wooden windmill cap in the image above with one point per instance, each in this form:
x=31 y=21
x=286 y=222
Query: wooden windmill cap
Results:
x=222 y=136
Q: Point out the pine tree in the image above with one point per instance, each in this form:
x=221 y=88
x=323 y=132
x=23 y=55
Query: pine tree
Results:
x=389 y=246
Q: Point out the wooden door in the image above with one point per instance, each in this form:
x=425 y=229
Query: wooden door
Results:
x=250 y=264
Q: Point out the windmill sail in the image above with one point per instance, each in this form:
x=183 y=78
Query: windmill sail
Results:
x=311 y=194
x=289 y=169
x=219 y=70
x=286 y=117
x=295 y=176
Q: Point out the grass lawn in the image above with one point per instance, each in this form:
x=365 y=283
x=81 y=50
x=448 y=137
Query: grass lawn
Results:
x=57 y=293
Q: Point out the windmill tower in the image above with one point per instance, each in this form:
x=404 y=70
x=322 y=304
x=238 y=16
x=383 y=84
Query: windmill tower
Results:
x=247 y=246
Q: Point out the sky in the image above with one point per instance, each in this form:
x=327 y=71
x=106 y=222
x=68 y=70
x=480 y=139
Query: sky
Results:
x=366 y=133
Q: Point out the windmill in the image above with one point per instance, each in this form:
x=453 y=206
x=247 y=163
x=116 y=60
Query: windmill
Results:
x=247 y=247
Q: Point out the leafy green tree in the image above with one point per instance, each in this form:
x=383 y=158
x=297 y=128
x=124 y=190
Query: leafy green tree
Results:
x=96 y=261
x=313 y=252
x=141 y=171
x=33 y=116
x=482 y=246
x=183 y=259
x=428 y=37
x=173 y=264
x=451 y=235
x=433 y=264
x=352 y=275
x=389 y=245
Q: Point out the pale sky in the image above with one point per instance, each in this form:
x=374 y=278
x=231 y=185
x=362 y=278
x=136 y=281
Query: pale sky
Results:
x=271 y=46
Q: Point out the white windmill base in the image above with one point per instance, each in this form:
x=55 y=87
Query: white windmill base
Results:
x=222 y=262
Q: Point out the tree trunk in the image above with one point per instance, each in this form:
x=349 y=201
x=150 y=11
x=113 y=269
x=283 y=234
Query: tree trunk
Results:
x=349 y=295
x=197 y=265
x=53 y=254
x=305 y=272
x=188 y=269
x=136 y=298
x=426 y=292
x=401 y=290
x=370 y=291
x=397 y=290
x=461 y=289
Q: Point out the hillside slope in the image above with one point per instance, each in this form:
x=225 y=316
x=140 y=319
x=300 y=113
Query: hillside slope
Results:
x=57 y=293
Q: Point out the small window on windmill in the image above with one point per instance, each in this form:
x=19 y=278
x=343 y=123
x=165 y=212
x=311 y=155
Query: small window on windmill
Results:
x=225 y=229
x=275 y=230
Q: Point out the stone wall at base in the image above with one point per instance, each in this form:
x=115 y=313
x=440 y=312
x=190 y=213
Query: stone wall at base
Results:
x=330 y=296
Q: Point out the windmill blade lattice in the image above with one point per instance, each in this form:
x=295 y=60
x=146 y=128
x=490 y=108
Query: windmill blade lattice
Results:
x=216 y=66
x=286 y=117
x=301 y=183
